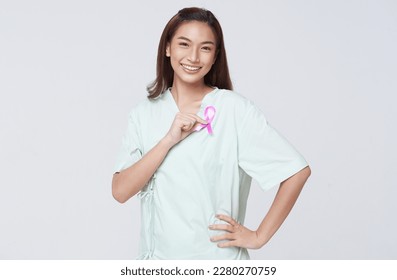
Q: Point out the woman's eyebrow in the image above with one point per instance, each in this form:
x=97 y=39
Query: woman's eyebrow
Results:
x=203 y=43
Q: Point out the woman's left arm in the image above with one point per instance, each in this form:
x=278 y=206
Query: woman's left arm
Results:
x=239 y=236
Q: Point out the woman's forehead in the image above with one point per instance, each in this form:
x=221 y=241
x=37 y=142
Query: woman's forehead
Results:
x=195 y=31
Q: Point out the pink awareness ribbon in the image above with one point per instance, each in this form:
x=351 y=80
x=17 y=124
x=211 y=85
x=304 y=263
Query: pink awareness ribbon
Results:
x=209 y=115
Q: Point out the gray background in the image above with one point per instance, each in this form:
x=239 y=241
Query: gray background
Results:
x=324 y=73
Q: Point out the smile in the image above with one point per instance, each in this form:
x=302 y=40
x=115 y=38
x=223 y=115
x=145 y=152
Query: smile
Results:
x=190 y=68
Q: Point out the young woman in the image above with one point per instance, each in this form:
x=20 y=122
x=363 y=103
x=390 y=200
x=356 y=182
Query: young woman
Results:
x=192 y=149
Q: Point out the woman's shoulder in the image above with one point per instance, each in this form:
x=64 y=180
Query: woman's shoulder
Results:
x=234 y=99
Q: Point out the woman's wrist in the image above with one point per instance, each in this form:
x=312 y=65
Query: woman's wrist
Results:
x=166 y=143
x=262 y=238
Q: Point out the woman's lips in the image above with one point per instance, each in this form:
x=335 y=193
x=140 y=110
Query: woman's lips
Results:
x=191 y=68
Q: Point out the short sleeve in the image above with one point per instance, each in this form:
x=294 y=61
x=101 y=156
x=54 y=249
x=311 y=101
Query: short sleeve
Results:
x=130 y=151
x=263 y=153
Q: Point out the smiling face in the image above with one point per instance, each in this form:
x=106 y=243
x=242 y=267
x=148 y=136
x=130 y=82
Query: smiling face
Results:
x=192 y=52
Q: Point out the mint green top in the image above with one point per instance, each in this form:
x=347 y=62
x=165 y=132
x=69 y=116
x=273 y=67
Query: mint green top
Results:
x=204 y=174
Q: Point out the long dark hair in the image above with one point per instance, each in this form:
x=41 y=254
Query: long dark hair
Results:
x=218 y=76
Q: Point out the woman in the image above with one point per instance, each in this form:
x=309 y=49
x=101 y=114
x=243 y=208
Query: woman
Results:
x=193 y=147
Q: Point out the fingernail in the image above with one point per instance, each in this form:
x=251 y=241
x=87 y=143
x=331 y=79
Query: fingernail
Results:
x=210 y=226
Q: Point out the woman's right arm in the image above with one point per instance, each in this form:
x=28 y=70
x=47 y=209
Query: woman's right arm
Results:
x=130 y=181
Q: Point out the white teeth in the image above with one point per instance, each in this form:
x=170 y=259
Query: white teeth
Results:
x=191 y=68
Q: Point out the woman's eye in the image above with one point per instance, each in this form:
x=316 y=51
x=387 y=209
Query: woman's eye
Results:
x=183 y=44
x=206 y=49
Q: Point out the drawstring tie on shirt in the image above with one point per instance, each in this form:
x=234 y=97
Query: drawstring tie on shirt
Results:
x=147 y=213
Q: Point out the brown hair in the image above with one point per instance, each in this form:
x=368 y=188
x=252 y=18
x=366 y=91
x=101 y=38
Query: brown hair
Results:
x=218 y=76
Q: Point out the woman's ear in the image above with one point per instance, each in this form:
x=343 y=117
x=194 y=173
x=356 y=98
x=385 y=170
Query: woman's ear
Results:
x=167 y=50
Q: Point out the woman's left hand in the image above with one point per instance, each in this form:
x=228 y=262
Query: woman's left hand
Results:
x=236 y=234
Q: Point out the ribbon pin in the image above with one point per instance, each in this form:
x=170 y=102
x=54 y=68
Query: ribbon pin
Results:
x=209 y=115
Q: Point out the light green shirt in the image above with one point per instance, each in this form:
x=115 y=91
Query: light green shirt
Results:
x=204 y=174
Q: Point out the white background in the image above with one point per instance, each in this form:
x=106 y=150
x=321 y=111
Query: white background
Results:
x=324 y=73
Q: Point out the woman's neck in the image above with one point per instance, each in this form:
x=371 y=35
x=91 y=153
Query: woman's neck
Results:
x=188 y=97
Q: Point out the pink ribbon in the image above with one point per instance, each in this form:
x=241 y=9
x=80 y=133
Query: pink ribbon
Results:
x=209 y=115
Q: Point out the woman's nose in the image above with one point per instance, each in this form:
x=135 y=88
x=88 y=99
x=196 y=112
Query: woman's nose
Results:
x=194 y=55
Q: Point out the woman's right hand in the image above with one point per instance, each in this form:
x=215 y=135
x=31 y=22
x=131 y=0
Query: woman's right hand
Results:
x=182 y=126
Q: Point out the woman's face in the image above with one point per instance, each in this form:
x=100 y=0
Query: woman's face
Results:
x=192 y=52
